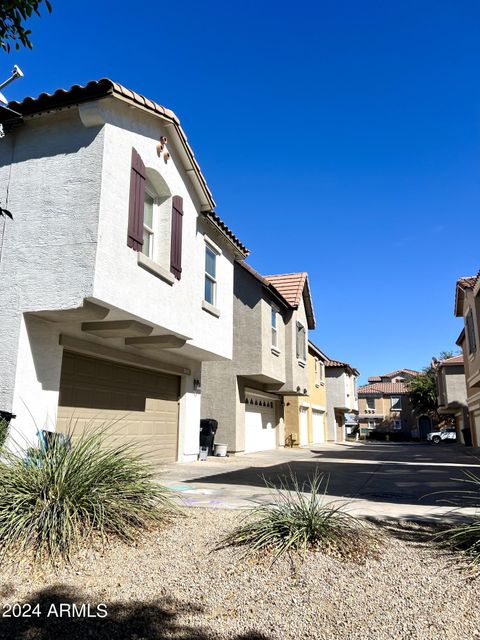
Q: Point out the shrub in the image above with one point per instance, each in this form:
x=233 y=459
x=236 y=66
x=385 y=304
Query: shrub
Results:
x=53 y=501
x=3 y=431
x=466 y=535
x=300 y=519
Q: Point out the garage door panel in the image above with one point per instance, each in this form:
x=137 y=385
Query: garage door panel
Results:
x=318 y=426
x=260 y=426
x=138 y=406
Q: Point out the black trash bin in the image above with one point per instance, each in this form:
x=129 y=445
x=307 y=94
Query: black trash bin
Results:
x=7 y=416
x=208 y=429
x=467 y=436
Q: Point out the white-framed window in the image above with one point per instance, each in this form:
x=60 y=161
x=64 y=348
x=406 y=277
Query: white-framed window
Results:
x=210 y=293
x=397 y=425
x=371 y=404
x=396 y=403
x=301 y=342
x=274 y=328
x=319 y=372
x=148 y=224
x=371 y=424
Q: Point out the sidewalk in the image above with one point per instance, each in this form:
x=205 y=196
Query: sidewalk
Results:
x=195 y=482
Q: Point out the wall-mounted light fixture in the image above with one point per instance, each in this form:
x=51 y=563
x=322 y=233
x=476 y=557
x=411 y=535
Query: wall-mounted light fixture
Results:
x=196 y=385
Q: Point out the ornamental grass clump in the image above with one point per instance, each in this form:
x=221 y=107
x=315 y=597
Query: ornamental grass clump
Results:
x=465 y=537
x=54 y=501
x=300 y=519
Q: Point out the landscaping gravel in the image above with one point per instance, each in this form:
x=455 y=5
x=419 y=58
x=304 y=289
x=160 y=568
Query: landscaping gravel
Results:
x=170 y=586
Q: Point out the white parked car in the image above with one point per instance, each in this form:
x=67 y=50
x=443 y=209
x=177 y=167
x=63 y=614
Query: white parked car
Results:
x=447 y=435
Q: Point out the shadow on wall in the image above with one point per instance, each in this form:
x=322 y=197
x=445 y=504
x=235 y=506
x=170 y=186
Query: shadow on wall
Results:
x=154 y=620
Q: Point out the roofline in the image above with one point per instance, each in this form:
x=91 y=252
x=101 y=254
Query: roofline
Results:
x=317 y=351
x=267 y=285
x=103 y=88
x=459 y=341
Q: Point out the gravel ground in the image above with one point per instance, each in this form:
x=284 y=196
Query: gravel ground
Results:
x=169 y=587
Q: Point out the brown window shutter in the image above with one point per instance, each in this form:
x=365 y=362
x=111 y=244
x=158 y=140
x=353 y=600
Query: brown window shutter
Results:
x=137 y=196
x=176 y=244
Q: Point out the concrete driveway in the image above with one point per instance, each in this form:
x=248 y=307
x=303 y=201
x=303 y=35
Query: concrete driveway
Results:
x=377 y=479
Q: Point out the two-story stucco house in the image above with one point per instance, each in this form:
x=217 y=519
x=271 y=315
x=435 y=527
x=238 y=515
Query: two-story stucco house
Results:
x=342 y=400
x=467 y=306
x=117 y=275
x=271 y=319
x=384 y=406
x=305 y=416
x=452 y=392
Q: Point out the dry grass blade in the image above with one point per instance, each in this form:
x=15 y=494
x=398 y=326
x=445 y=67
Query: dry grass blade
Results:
x=297 y=520
x=465 y=536
x=55 y=500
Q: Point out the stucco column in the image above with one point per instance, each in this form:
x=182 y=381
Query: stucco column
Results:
x=37 y=380
x=189 y=417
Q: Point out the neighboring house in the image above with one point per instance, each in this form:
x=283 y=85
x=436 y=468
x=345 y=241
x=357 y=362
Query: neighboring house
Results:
x=117 y=275
x=342 y=400
x=305 y=416
x=271 y=317
x=467 y=306
x=384 y=406
x=452 y=392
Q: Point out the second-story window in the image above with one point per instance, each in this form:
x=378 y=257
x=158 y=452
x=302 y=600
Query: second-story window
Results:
x=470 y=327
x=371 y=403
x=274 y=328
x=148 y=233
x=301 y=342
x=319 y=372
x=396 y=403
x=210 y=276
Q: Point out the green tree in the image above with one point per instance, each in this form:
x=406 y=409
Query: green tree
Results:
x=422 y=391
x=13 y=16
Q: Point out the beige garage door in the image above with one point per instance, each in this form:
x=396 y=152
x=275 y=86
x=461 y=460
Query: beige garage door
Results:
x=139 y=405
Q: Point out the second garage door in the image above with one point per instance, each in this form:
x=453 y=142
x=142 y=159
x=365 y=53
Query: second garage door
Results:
x=260 y=424
x=139 y=405
x=318 y=426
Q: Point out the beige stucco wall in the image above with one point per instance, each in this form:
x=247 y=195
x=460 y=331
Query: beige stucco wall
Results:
x=315 y=400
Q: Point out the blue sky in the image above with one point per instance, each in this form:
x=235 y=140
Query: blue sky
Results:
x=340 y=138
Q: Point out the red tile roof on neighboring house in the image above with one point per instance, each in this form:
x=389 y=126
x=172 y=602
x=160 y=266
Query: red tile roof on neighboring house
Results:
x=343 y=365
x=292 y=286
x=453 y=360
x=463 y=283
x=374 y=379
x=394 y=374
x=96 y=89
x=378 y=388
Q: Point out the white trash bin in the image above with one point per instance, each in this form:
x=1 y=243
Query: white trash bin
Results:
x=220 y=450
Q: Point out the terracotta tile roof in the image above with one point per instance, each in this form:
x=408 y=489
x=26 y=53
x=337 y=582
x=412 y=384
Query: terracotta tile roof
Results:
x=464 y=283
x=467 y=282
x=374 y=379
x=453 y=360
x=96 y=89
x=292 y=286
x=260 y=278
x=394 y=374
x=345 y=365
x=382 y=388
x=217 y=222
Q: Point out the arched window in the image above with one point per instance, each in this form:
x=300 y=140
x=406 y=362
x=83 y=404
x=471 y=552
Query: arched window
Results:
x=157 y=219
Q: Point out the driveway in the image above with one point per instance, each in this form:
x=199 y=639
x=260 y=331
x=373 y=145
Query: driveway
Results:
x=377 y=479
